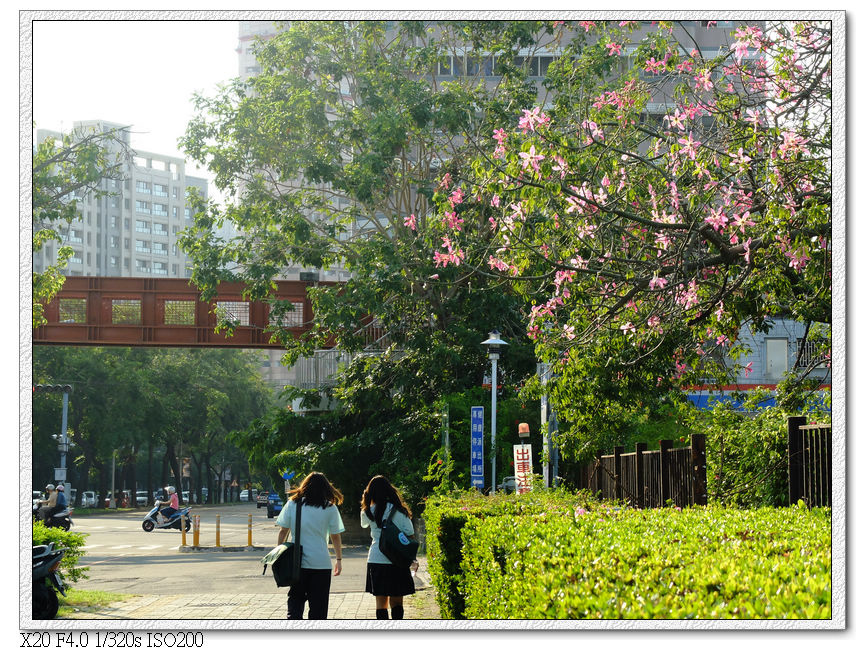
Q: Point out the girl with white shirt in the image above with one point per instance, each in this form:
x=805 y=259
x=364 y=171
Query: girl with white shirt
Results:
x=320 y=518
x=388 y=583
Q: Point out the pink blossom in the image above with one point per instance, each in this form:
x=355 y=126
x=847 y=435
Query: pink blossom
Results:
x=740 y=159
x=500 y=136
x=446 y=181
x=703 y=80
x=676 y=120
x=495 y=202
x=722 y=340
x=531 y=158
x=453 y=221
x=568 y=331
x=614 y=49
x=456 y=196
x=533 y=118
x=493 y=224
x=657 y=283
x=628 y=328
x=587 y=24
x=654 y=66
x=410 y=222
x=689 y=146
x=749 y=368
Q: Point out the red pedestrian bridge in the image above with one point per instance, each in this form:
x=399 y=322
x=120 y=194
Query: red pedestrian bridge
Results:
x=165 y=312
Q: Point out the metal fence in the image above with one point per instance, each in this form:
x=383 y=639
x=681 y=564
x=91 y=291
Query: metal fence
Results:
x=650 y=479
x=809 y=461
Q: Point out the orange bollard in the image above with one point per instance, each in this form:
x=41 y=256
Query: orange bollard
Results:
x=183 y=530
x=217 y=531
x=196 y=529
x=249 y=532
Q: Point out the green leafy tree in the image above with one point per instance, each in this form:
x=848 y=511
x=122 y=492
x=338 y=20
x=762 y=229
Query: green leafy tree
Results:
x=65 y=171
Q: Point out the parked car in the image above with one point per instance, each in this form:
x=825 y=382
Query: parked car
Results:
x=141 y=498
x=37 y=496
x=261 y=499
x=274 y=504
x=88 y=499
x=186 y=496
x=508 y=484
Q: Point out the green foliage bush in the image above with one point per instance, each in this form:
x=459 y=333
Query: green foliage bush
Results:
x=547 y=556
x=72 y=542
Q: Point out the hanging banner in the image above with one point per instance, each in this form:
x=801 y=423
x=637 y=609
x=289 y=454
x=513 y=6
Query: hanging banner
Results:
x=523 y=467
x=477 y=450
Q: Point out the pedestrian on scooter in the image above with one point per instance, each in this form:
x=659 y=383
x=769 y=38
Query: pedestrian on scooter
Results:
x=173 y=503
x=388 y=583
x=48 y=503
x=318 y=500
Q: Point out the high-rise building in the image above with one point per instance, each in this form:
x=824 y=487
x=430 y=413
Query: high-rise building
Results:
x=132 y=230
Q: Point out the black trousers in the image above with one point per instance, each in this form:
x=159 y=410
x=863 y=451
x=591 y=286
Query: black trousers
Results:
x=314 y=587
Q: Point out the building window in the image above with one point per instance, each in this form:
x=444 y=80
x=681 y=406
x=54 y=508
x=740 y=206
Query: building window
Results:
x=160 y=248
x=113 y=221
x=160 y=229
x=142 y=187
x=76 y=258
x=160 y=209
x=142 y=226
x=115 y=241
x=187 y=213
x=126 y=312
x=75 y=237
x=142 y=266
x=174 y=211
x=179 y=312
x=73 y=310
x=143 y=207
x=160 y=190
x=811 y=352
x=142 y=246
x=237 y=312
x=113 y=260
x=160 y=268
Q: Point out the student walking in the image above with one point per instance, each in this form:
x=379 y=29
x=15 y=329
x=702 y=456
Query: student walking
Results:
x=388 y=583
x=320 y=518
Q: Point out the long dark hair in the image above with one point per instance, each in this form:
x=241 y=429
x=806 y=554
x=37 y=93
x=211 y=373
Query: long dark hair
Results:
x=380 y=491
x=316 y=490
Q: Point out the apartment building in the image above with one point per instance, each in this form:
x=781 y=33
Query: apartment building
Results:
x=132 y=230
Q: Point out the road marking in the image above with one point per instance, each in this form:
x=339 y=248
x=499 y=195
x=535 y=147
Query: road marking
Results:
x=116 y=548
x=89 y=546
x=149 y=548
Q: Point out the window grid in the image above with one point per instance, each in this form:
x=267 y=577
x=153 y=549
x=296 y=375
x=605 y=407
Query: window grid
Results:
x=73 y=310
x=126 y=312
x=179 y=312
x=238 y=312
x=293 y=318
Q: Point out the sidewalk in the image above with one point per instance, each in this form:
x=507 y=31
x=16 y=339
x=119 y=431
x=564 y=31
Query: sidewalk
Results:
x=233 y=606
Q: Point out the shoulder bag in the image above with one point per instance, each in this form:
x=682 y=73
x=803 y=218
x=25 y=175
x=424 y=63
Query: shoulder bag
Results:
x=284 y=560
x=394 y=543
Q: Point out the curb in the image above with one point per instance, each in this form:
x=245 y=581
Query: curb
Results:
x=225 y=549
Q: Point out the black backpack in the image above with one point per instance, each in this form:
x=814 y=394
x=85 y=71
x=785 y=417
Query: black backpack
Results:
x=395 y=544
x=284 y=560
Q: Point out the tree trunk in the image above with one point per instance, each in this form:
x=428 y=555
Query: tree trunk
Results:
x=171 y=454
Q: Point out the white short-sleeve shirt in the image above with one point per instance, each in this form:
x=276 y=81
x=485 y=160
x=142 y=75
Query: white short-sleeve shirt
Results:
x=402 y=522
x=316 y=526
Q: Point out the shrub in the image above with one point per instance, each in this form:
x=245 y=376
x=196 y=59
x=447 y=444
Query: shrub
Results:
x=656 y=564
x=446 y=515
x=72 y=542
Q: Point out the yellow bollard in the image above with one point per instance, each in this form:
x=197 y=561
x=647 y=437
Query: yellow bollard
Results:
x=249 y=532
x=183 y=530
x=196 y=527
x=217 y=531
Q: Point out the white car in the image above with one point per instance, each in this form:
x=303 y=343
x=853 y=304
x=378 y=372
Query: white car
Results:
x=88 y=499
x=141 y=498
x=508 y=484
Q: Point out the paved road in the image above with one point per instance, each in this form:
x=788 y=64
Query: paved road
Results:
x=122 y=558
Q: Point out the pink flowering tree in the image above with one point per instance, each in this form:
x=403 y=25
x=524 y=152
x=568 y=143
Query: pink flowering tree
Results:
x=650 y=214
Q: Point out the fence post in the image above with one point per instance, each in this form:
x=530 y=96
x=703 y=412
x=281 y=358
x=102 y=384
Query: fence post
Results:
x=698 y=462
x=639 y=449
x=598 y=471
x=617 y=471
x=794 y=457
x=666 y=446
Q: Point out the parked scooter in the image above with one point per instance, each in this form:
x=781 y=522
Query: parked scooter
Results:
x=154 y=520
x=47 y=580
x=62 y=519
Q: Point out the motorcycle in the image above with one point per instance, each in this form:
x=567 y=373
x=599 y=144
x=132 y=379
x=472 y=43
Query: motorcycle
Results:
x=47 y=580
x=62 y=519
x=152 y=520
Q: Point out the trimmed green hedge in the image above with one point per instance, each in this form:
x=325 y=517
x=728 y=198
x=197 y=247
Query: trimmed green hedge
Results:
x=551 y=558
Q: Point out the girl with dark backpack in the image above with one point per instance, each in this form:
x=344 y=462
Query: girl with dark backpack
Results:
x=384 y=580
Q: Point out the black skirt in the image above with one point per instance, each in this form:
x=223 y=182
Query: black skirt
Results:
x=388 y=580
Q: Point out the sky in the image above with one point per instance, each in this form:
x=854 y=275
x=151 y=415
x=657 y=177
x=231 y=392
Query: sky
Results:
x=138 y=72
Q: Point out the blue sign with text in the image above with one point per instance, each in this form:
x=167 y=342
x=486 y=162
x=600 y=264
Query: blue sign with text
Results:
x=477 y=457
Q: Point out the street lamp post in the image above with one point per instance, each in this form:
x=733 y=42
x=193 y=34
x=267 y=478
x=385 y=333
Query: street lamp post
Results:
x=494 y=344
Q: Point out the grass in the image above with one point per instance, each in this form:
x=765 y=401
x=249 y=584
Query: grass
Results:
x=80 y=600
